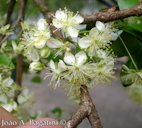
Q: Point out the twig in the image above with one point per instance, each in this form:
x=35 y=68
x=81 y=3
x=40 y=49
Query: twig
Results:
x=9 y=14
x=86 y=109
x=20 y=18
x=19 y=67
x=10 y=11
x=44 y=9
x=111 y=16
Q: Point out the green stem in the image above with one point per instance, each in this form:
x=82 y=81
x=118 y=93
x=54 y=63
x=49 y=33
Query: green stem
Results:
x=129 y=53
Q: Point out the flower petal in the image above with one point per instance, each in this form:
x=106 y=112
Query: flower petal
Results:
x=54 y=43
x=32 y=54
x=52 y=65
x=73 y=32
x=78 y=19
x=61 y=15
x=57 y=23
x=100 y=26
x=41 y=24
x=84 y=42
x=80 y=58
x=69 y=58
x=115 y=35
x=61 y=65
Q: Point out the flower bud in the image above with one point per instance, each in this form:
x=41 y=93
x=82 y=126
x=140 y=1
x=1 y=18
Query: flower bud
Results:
x=35 y=66
x=45 y=52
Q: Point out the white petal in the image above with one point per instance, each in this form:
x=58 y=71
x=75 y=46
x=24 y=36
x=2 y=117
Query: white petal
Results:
x=100 y=26
x=54 y=43
x=52 y=65
x=73 y=32
x=33 y=54
x=84 y=42
x=61 y=15
x=57 y=23
x=61 y=65
x=69 y=58
x=7 y=82
x=78 y=19
x=41 y=24
x=116 y=35
x=80 y=58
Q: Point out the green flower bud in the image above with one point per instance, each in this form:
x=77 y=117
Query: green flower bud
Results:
x=45 y=52
x=36 y=66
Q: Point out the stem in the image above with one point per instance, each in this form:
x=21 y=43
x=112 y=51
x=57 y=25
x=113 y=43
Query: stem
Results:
x=86 y=109
x=129 y=54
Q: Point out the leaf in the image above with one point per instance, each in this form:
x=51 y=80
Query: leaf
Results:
x=6 y=61
x=124 y=4
x=57 y=111
x=36 y=79
x=5 y=30
x=133 y=44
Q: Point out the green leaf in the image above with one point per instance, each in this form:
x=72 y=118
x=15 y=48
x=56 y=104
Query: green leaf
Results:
x=6 y=61
x=124 y=4
x=36 y=79
x=57 y=111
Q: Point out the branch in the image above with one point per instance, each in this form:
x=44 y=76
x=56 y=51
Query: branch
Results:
x=19 y=67
x=20 y=18
x=44 y=9
x=10 y=11
x=86 y=109
x=112 y=16
x=8 y=15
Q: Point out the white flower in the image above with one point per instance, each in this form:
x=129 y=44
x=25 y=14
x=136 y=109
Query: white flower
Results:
x=57 y=72
x=79 y=70
x=67 y=22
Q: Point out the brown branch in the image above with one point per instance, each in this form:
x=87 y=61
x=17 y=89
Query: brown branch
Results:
x=86 y=109
x=44 y=9
x=20 y=18
x=10 y=11
x=8 y=15
x=19 y=67
x=112 y=16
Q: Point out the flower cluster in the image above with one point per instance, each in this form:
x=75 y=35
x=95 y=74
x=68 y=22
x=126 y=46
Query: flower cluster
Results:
x=75 y=59
x=8 y=89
